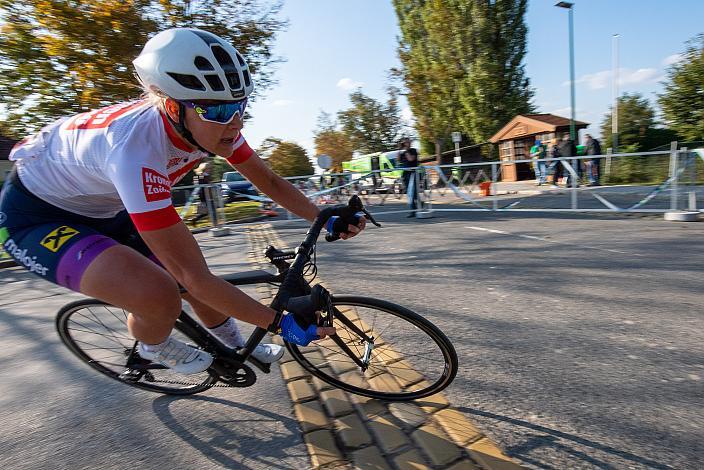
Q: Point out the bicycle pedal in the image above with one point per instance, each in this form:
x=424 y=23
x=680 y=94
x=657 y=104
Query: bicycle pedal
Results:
x=131 y=375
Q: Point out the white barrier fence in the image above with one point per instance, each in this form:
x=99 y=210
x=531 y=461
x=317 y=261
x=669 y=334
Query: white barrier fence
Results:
x=660 y=182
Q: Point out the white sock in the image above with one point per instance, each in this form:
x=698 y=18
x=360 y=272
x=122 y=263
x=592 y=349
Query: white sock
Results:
x=155 y=347
x=229 y=333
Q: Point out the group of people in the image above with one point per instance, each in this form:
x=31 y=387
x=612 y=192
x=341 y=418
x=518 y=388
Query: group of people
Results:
x=547 y=161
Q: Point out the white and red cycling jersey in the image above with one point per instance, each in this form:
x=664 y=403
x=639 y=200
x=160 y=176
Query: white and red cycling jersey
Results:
x=125 y=156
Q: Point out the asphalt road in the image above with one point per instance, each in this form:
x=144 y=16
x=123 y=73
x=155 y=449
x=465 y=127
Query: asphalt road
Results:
x=580 y=338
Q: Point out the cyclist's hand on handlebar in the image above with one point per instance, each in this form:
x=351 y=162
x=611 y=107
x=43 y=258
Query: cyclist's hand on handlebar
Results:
x=338 y=227
x=298 y=331
x=353 y=230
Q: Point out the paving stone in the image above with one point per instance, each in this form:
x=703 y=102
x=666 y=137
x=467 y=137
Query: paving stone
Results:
x=355 y=379
x=488 y=455
x=300 y=390
x=457 y=426
x=432 y=403
x=322 y=448
x=367 y=407
x=369 y=458
x=409 y=414
x=404 y=373
x=384 y=383
x=463 y=465
x=311 y=416
x=336 y=402
x=351 y=432
x=386 y=353
x=389 y=436
x=315 y=357
x=321 y=385
x=436 y=445
x=293 y=370
x=410 y=460
x=341 y=363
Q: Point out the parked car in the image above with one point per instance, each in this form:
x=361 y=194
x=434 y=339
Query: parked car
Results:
x=236 y=187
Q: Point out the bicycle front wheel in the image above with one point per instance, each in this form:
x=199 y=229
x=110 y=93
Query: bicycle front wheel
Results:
x=407 y=358
x=96 y=332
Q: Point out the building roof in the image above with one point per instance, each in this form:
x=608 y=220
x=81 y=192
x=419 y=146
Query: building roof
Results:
x=6 y=145
x=525 y=125
x=553 y=120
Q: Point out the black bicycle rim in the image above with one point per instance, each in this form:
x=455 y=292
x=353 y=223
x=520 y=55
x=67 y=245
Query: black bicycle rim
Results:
x=96 y=332
x=394 y=373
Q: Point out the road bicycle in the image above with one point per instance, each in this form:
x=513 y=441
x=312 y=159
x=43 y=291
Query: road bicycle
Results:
x=380 y=349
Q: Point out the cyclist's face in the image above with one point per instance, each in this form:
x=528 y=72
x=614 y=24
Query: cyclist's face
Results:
x=214 y=137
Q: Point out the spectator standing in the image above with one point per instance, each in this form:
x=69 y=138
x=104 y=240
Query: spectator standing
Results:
x=555 y=166
x=594 y=164
x=408 y=158
x=568 y=149
x=537 y=154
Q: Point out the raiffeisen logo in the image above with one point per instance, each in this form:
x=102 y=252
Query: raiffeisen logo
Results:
x=3 y=218
x=21 y=256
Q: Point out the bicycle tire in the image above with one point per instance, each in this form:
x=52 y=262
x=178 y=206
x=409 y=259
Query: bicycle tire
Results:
x=119 y=341
x=404 y=384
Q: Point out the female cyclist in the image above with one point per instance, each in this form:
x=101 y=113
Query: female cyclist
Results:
x=89 y=204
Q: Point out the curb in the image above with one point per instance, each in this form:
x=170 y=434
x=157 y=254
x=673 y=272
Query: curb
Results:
x=343 y=430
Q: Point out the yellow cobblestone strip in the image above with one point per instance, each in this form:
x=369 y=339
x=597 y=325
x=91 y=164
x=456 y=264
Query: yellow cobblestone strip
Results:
x=343 y=430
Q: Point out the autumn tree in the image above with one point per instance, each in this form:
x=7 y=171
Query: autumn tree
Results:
x=63 y=57
x=333 y=142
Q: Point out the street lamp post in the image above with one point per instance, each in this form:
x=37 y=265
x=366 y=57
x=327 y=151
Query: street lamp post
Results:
x=568 y=5
x=614 y=111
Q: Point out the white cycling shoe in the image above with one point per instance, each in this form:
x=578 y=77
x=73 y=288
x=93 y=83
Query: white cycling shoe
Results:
x=178 y=356
x=268 y=353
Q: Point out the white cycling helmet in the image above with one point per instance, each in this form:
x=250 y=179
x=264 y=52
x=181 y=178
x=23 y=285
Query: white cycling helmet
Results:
x=192 y=64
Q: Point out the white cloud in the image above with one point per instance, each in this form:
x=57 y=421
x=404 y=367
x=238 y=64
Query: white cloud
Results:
x=602 y=79
x=672 y=59
x=348 y=84
x=282 y=102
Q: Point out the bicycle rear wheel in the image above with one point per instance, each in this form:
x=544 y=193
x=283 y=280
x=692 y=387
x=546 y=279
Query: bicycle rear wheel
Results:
x=96 y=332
x=409 y=357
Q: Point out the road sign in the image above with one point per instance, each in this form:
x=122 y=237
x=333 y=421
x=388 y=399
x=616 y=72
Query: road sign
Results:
x=324 y=161
x=457 y=137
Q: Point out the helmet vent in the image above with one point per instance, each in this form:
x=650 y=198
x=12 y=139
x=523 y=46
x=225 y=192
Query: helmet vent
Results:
x=233 y=80
x=223 y=58
x=187 y=81
x=247 y=80
x=202 y=63
x=215 y=82
x=241 y=60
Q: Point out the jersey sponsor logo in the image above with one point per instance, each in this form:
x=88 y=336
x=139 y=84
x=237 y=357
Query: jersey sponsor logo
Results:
x=173 y=162
x=56 y=239
x=156 y=186
x=101 y=118
x=21 y=256
x=3 y=218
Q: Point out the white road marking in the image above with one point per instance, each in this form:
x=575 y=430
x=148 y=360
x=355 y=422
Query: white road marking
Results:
x=541 y=239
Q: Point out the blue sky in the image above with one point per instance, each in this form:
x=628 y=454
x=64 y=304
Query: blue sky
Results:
x=331 y=47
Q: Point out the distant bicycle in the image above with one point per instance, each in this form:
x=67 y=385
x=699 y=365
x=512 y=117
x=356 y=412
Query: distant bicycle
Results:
x=381 y=350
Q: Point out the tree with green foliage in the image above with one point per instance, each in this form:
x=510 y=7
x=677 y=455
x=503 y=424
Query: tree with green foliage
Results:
x=463 y=66
x=372 y=126
x=638 y=130
x=683 y=100
x=64 y=57
x=288 y=158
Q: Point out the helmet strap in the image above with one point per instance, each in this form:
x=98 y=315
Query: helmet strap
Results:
x=183 y=130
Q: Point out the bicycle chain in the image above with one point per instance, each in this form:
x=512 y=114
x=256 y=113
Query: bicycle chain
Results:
x=179 y=382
